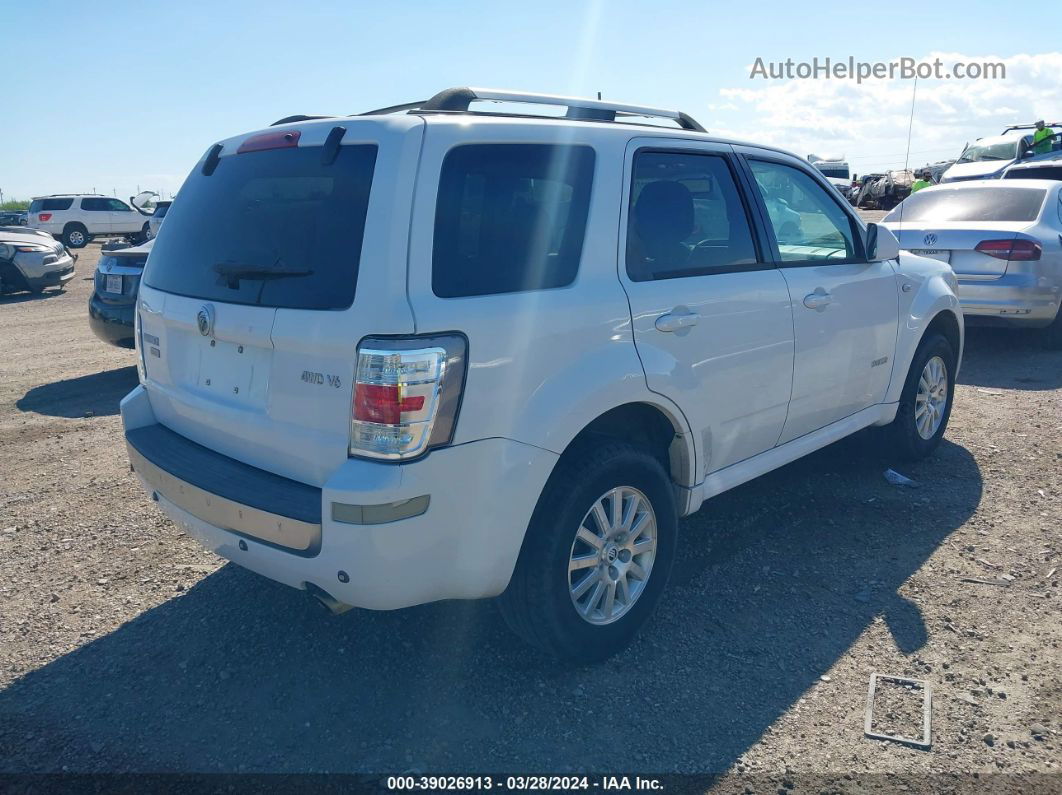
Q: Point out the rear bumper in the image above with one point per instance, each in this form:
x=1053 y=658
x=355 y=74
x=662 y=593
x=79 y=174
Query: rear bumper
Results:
x=1020 y=299
x=112 y=323
x=461 y=544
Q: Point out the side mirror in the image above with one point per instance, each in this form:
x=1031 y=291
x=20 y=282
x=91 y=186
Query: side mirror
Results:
x=1028 y=153
x=881 y=244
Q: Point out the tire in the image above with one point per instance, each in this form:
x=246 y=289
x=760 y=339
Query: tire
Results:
x=904 y=435
x=539 y=605
x=1052 y=335
x=75 y=236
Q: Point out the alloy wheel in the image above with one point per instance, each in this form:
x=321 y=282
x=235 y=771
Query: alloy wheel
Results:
x=931 y=398
x=612 y=555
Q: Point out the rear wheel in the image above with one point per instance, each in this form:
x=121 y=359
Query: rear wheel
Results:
x=1052 y=335
x=925 y=403
x=597 y=555
x=75 y=236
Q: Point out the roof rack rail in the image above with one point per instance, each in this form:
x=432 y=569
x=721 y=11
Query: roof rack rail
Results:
x=457 y=100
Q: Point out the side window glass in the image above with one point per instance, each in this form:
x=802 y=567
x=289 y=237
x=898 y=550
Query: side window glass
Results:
x=808 y=224
x=95 y=205
x=510 y=218
x=686 y=217
x=117 y=205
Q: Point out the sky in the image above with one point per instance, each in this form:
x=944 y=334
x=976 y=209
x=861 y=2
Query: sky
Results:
x=115 y=96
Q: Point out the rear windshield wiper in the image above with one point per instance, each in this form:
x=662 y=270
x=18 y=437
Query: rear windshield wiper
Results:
x=233 y=272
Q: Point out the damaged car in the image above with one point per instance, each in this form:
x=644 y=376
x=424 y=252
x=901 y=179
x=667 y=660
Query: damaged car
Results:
x=32 y=261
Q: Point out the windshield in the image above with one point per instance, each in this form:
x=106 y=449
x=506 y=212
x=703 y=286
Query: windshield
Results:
x=1007 y=150
x=970 y=204
x=273 y=228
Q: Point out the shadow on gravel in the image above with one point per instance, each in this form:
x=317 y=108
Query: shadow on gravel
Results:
x=88 y=395
x=1009 y=359
x=23 y=297
x=777 y=579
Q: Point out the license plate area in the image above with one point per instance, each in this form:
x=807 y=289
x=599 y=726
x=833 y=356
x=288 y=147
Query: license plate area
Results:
x=234 y=372
x=113 y=284
x=942 y=254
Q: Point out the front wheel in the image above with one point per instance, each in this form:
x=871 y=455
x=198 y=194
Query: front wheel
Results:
x=597 y=554
x=926 y=400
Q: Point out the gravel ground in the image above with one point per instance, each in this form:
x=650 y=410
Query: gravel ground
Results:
x=125 y=647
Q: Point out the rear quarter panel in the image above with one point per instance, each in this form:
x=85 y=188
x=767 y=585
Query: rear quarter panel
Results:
x=542 y=364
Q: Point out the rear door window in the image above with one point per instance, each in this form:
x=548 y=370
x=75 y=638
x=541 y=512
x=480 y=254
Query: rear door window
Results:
x=970 y=204
x=509 y=218
x=96 y=205
x=271 y=228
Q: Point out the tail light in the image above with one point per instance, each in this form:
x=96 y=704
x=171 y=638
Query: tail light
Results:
x=1016 y=250
x=44 y=217
x=407 y=391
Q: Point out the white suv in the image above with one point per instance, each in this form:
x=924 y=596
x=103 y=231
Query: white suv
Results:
x=76 y=219
x=434 y=353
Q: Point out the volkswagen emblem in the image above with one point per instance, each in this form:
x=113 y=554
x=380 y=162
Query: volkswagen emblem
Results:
x=205 y=320
x=930 y=239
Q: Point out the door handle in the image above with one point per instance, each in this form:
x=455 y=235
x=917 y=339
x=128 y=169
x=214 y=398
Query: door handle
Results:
x=675 y=321
x=818 y=300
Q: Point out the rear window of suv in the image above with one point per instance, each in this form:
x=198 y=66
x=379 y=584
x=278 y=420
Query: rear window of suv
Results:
x=44 y=205
x=1040 y=172
x=510 y=218
x=970 y=204
x=271 y=228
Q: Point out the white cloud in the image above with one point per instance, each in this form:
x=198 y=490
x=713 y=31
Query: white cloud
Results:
x=868 y=122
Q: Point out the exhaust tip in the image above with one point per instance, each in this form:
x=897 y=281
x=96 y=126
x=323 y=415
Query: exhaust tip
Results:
x=333 y=605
